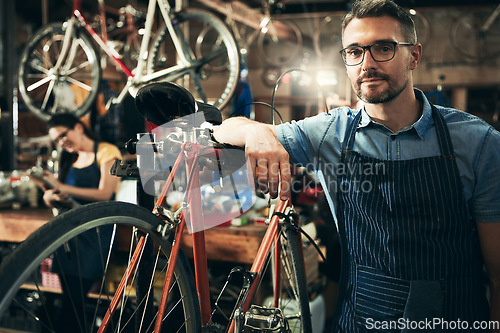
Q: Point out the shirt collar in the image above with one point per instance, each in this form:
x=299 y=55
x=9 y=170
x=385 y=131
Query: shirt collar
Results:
x=420 y=126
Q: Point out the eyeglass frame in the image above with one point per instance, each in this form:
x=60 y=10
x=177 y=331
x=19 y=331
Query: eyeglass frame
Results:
x=62 y=135
x=368 y=47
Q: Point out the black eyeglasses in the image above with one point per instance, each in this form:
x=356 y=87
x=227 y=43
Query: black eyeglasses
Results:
x=380 y=52
x=62 y=135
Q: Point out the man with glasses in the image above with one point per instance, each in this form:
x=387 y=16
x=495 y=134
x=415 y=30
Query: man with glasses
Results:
x=414 y=187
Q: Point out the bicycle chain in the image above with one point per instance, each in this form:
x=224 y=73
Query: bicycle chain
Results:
x=213 y=328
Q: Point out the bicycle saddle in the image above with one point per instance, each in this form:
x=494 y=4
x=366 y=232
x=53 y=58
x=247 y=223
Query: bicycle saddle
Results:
x=162 y=102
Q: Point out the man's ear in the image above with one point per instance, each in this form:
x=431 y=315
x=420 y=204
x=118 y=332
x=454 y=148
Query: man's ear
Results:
x=415 y=55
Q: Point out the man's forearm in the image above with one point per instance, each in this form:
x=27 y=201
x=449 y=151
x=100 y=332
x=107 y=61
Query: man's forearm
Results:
x=267 y=160
x=236 y=131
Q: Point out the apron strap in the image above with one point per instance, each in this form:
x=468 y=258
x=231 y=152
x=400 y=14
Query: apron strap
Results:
x=351 y=133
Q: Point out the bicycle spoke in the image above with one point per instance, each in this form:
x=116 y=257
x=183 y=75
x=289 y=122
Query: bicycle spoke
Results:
x=40 y=83
x=144 y=300
x=40 y=69
x=103 y=280
x=30 y=313
x=47 y=95
x=79 y=83
x=55 y=106
x=126 y=295
x=172 y=308
x=37 y=76
x=151 y=285
x=44 y=58
x=43 y=297
x=74 y=69
x=82 y=293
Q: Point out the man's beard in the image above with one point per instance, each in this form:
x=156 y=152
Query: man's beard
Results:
x=385 y=96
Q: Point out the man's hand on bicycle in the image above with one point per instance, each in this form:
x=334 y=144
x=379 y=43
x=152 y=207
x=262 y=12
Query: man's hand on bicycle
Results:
x=268 y=160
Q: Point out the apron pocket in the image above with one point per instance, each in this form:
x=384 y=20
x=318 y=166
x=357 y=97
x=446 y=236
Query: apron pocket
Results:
x=379 y=298
x=425 y=302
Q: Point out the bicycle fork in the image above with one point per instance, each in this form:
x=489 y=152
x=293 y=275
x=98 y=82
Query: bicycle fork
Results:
x=190 y=153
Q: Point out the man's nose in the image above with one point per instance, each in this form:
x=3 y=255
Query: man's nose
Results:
x=368 y=61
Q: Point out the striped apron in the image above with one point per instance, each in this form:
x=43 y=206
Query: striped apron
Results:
x=87 y=177
x=410 y=252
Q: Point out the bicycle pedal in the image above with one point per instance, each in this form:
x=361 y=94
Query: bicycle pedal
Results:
x=261 y=319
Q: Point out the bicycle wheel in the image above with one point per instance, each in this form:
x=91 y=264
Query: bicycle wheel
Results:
x=294 y=299
x=328 y=37
x=107 y=232
x=470 y=38
x=71 y=88
x=217 y=51
x=280 y=43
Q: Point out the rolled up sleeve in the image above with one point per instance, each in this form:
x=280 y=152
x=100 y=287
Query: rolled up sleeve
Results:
x=486 y=194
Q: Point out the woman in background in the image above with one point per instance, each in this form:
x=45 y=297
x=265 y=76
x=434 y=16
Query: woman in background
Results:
x=83 y=178
x=84 y=164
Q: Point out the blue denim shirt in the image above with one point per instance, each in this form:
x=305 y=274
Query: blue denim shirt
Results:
x=476 y=145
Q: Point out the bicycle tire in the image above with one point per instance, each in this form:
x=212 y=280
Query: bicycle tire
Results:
x=67 y=229
x=278 y=51
x=215 y=87
x=46 y=91
x=470 y=41
x=294 y=299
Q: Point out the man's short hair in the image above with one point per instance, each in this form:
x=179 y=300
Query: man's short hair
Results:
x=379 y=8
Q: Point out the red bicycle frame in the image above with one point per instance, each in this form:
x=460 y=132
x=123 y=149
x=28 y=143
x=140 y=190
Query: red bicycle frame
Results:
x=77 y=13
x=189 y=154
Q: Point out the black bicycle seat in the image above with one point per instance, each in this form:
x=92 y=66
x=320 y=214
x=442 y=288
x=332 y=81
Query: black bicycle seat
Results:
x=162 y=102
